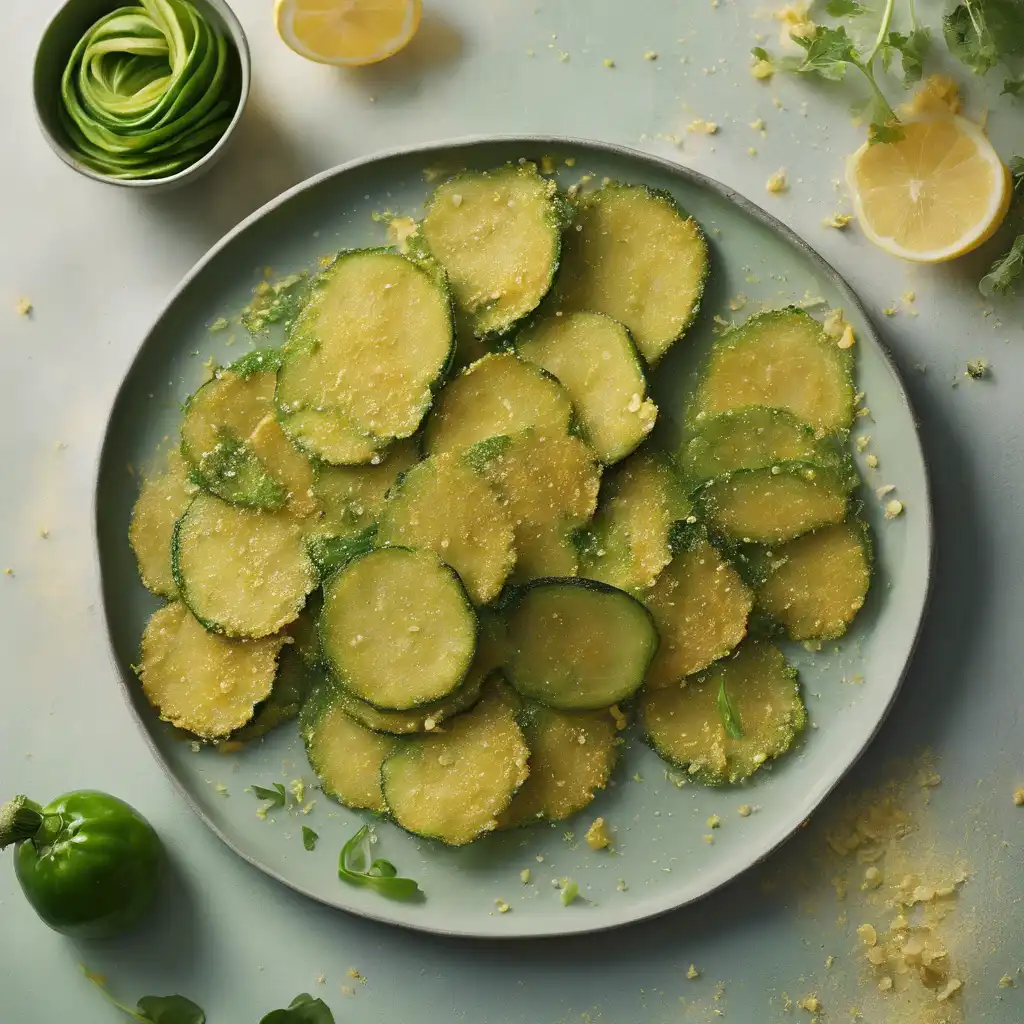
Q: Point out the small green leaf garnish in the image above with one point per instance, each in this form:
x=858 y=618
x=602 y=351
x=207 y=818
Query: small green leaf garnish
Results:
x=381 y=875
x=152 y=1009
x=304 y=1009
x=845 y=9
x=912 y=48
x=1014 y=87
x=984 y=33
x=730 y=719
x=309 y=838
x=277 y=796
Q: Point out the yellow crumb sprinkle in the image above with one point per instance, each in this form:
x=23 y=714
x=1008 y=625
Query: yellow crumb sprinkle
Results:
x=705 y=127
x=812 y=1004
x=650 y=55
x=547 y=165
x=503 y=907
x=709 y=839
x=524 y=876
x=872 y=878
x=762 y=69
x=751 y=151
x=714 y=821
x=597 y=835
x=909 y=296
x=893 y=508
x=357 y=974
x=1006 y=981
x=794 y=21
x=838 y=221
x=848 y=339
x=570 y=161
x=1018 y=793
x=777 y=182
x=23 y=307
x=400 y=230
x=758 y=125
x=608 y=62
x=692 y=973
x=738 y=302
x=872 y=461
x=863 y=441
x=620 y=719
x=744 y=810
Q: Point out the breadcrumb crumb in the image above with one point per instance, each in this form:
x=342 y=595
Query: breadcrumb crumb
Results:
x=777 y=182
x=893 y=508
x=838 y=221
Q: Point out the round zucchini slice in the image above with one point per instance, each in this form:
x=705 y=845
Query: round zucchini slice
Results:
x=549 y=487
x=700 y=606
x=201 y=682
x=754 y=437
x=453 y=785
x=642 y=507
x=162 y=500
x=776 y=503
x=373 y=341
x=496 y=396
x=346 y=756
x=242 y=572
x=725 y=724
x=291 y=687
x=782 y=359
x=572 y=755
x=287 y=465
x=490 y=654
x=595 y=360
x=351 y=498
x=218 y=421
x=577 y=645
x=446 y=506
x=636 y=257
x=498 y=235
x=818 y=582
x=397 y=628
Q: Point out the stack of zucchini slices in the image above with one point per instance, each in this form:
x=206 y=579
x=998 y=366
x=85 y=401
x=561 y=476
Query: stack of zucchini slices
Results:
x=433 y=527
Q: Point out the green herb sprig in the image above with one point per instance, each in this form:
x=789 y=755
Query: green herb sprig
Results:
x=983 y=34
x=380 y=875
x=153 y=1009
x=1007 y=271
x=309 y=838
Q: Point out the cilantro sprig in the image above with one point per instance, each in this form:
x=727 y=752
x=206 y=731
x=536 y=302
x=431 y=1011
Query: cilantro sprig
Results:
x=381 y=875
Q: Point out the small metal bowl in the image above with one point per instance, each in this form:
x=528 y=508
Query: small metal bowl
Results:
x=62 y=34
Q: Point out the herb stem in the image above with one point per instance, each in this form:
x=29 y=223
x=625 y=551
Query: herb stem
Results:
x=913 y=16
x=865 y=69
x=883 y=31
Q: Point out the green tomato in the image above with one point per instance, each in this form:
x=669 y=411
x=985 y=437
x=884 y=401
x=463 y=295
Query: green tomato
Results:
x=88 y=863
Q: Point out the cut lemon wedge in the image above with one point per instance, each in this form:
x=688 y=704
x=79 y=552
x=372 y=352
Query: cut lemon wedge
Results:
x=346 y=33
x=936 y=194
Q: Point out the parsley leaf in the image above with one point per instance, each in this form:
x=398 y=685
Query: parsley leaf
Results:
x=304 y=1009
x=309 y=838
x=912 y=48
x=730 y=719
x=983 y=33
x=845 y=8
x=277 y=796
x=381 y=875
x=887 y=132
x=1014 y=87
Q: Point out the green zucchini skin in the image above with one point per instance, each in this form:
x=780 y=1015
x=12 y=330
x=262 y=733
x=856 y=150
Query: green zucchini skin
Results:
x=583 y=695
x=394 y=696
x=555 y=217
x=364 y=441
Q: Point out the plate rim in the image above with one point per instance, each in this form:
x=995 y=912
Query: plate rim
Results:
x=573 y=925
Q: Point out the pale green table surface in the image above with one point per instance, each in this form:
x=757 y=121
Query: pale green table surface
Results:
x=97 y=263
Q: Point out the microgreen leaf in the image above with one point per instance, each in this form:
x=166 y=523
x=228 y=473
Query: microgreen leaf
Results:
x=381 y=875
x=309 y=838
x=828 y=51
x=277 y=796
x=845 y=8
x=304 y=1009
x=730 y=719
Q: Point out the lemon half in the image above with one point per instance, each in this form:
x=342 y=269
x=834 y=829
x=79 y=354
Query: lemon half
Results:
x=936 y=194
x=346 y=33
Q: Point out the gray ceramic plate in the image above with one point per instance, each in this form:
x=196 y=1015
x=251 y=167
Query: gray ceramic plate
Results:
x=662 y=854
